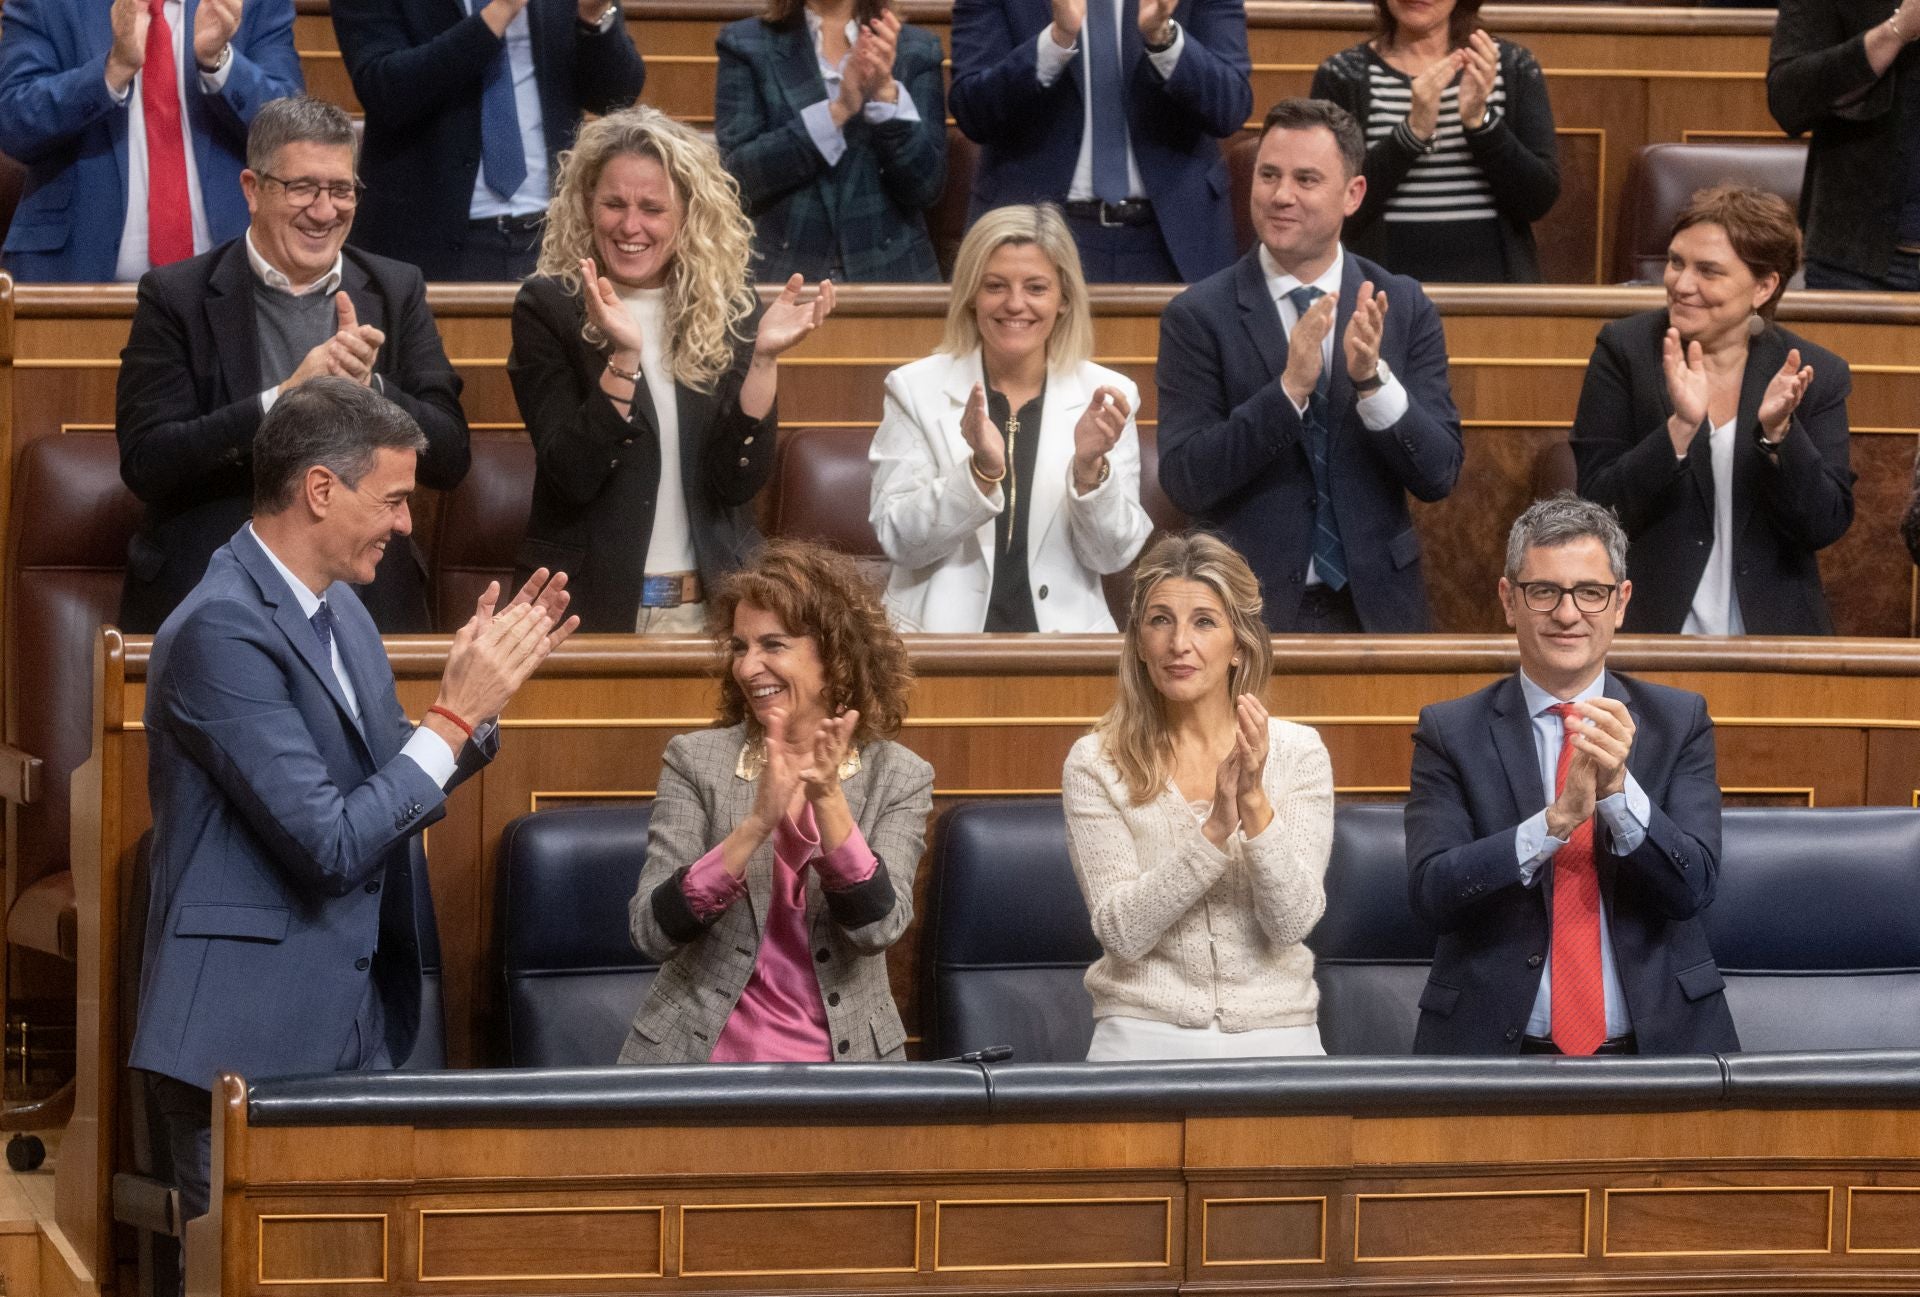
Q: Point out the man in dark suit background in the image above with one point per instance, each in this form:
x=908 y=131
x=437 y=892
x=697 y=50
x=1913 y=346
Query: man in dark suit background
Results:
x=1297 y=409
x=289 y=789
x=1115 y=109
x=467 y=102
x=1563 y=831
x=216 y=340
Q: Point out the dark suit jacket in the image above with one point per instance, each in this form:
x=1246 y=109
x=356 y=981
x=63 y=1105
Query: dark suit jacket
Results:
x=867 y=212
x=596 y=475
x=1232 y=457
x=57 y=117
x=1462 y=814
x=284 y=834
x=188 y=404
x=1782 y=516
x=418 y=67
x=1030 y=135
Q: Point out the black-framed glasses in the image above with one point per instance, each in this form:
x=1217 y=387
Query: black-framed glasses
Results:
x=304 y=192
x=1545 y=596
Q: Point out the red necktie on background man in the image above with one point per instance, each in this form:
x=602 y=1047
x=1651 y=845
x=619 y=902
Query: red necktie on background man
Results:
x=1579 y=998
x=169 y=212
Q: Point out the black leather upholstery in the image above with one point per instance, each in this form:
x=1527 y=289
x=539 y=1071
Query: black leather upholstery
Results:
x=574 y=979
x=1007 y=937
x=1371 y=954
x=430 y=1040
x=1816 y=926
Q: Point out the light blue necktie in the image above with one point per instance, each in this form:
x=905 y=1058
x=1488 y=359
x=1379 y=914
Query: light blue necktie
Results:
x=502 y=157
x=1109 y=103
x=1329 y=555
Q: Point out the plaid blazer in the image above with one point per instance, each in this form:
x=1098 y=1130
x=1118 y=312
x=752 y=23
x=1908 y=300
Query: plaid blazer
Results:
x=867 y=212
x=704 y=967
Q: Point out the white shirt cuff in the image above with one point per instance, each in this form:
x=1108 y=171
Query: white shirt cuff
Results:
x=1533 y=846
x=1382 y=409
x=432 y=754
x=826 y=136
x=120 y=96
x=1627 y=813
x=268 y=397
x=901 y=109
x=1049 y=59
x=215 y=81
x=1163 y=61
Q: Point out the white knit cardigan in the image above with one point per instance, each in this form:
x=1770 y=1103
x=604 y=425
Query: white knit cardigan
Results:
x=1193 y=933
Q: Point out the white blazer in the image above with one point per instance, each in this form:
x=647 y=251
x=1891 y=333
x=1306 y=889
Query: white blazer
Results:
x=937 y=527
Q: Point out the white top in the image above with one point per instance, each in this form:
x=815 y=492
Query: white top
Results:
x=1050 y=61
x=133 y=261
x=1716 y=604
x=1192 y=934
x=670 y=547
x=536 y=190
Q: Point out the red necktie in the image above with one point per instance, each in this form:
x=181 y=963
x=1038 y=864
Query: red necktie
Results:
x=169 y=212
x=1579 y=998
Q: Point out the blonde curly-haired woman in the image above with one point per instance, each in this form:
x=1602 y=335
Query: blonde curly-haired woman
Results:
x=1199 y=827
x=645 y=371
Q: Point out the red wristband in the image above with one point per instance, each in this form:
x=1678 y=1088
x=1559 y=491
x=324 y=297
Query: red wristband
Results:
x=438 y=710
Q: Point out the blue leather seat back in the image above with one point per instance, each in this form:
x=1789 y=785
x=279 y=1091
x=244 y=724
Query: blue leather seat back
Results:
x=1371 y=954
x=1007 y=939
x=574 y=979
x=430 y=1040
x=1816 y=926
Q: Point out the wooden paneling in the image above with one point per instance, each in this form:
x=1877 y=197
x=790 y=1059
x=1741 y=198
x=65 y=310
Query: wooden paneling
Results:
x=323 y=1247
x=1508 y=1225
x=1096 y=1233
x=1262 y=1231
x=589 y=1242
x=761 y=1240
x=1718 y=1220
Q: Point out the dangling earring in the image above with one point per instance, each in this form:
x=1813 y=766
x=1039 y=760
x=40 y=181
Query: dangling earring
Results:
x=1756 y=325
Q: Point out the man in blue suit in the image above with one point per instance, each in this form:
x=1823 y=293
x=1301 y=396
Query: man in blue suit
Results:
x=289 y=789
x=104 y=140
x=1563 y=832
x=1115 y=109
x=1298 y=451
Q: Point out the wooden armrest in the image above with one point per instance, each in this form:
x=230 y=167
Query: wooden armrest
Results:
x=19 y=775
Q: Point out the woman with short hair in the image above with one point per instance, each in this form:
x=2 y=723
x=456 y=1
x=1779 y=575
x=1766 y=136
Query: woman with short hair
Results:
x=1719 y=437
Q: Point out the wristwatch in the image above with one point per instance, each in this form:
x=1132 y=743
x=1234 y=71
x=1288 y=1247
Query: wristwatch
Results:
x=226 y=57
x=604 y=23
x=1170 y=31
x=1381 y=377
x=1769 y=448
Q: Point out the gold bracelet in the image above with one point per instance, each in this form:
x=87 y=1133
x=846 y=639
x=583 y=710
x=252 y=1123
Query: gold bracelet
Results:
x=618 y=372
x=973 y=462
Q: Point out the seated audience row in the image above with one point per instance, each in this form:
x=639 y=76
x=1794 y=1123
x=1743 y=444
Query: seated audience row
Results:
x=1006 y=467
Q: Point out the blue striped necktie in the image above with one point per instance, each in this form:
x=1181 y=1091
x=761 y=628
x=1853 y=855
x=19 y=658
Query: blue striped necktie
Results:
x=1329 y=555
x=502 y=157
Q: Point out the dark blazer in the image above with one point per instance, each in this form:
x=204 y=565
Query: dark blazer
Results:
x=284 y=834
x=1782 y=515
x=1231 y=454
x=595 y=474
x=1818 y=80
x=1030 y=135
x=57 y=117
x=1518 y=155
x=865 y=214
x=188 y=404
x=418 y=67
x=1463 y=879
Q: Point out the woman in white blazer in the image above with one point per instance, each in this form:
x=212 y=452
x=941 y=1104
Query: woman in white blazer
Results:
x=1006 y=472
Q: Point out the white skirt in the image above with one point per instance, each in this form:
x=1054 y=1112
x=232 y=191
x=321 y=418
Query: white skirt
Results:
x=1136 y=1040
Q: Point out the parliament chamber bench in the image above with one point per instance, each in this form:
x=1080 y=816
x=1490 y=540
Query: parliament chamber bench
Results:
x=1752 y=1173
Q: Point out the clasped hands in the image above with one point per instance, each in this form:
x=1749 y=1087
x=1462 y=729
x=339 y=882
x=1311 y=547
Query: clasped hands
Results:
x=350 y=353
x=495 y=652
x=867 y=75
x=802 y=766
x=1239 y=795
x=1360 y=342
x=1601 y=734
x=1095 y=433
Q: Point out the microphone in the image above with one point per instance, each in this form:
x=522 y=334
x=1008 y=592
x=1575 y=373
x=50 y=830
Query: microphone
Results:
x=991 y=1054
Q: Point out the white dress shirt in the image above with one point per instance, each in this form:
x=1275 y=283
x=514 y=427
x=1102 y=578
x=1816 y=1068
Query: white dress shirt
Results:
x=1626 y=815
x=828 y=138
x=1050 y=61
x=536 y=191
x=1716 y=604
x=133 y=261
x=425 y=748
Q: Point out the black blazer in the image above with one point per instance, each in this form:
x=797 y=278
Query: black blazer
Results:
x=1462 y=814
x=1231 y=455
x=188 y=404
x=1518 y=155
x=418 y=67
x=1782 y=515
x=596 y=475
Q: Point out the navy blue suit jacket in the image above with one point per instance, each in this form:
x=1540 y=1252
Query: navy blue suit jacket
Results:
x=1476 y=777
x=418 y=67
x=1030 y=135
x=284 y=833
x=1232 y=457
x=57 y=117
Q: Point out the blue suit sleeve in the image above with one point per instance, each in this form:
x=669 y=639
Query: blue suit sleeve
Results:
x=402 y=83
x=1211 y=82
x=265 y=65
x=1450 y=871
x=1423 y=449
x=44 y=102
x=1677 y=865
x=996 y=88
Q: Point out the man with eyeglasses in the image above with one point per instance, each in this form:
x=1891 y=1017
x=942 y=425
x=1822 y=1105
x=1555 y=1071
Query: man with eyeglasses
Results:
x=1563 y=828
x=217 y=339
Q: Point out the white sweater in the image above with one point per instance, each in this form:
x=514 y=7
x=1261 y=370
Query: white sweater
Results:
x=1193 y=933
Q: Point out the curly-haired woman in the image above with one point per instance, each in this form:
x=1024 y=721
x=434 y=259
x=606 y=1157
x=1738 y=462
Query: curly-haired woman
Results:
x=781 y=853
x=645 y=371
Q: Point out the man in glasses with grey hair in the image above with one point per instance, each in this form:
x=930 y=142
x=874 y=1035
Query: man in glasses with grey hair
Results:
x=218 y=338
x=1563 y=828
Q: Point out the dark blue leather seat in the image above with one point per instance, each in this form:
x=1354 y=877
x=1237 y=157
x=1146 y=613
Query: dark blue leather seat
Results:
x=574 y=979
x=1370 y=953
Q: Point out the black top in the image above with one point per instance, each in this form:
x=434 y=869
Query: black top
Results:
x=1011 y=607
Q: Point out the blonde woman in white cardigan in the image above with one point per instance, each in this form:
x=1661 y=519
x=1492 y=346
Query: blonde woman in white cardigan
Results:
x=1199 y=827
